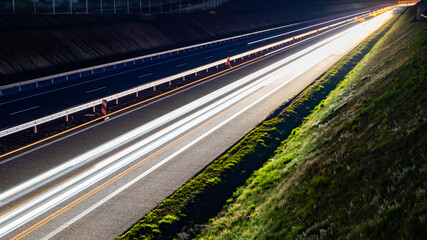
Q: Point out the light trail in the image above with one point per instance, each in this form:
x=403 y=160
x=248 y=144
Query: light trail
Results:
x=181 y=65
x=144 y=129
x=163 y=132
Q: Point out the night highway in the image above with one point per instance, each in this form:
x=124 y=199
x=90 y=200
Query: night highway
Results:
x=21 y=107
x=96 y=182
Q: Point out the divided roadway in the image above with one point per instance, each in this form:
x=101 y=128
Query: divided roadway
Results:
x=97 y=182
x=32 y=104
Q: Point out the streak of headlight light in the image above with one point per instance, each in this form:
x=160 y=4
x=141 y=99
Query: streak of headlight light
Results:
x=137 y=154
x=127 y=137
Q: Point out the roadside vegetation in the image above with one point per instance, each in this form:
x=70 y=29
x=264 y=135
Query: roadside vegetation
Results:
x=184 y=213
x=356 y=168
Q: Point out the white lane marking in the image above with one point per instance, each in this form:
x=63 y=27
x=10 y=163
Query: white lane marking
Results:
x=97 y=89
x=209 y=56
x=232 y=50
x=146 y=75
x=180 y=65
x=28 y=109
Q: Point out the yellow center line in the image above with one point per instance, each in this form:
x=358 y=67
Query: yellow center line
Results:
x=126 y=108
x=71 y=205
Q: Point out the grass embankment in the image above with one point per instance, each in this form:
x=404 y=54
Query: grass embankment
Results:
x=209 y=190
x=356 y=168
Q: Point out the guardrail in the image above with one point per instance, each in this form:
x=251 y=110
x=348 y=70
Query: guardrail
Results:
x=135 y=90
x=89 y=71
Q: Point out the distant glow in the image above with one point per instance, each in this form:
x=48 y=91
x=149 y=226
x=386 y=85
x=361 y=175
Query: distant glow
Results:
x=166 y=128
x=407 y=3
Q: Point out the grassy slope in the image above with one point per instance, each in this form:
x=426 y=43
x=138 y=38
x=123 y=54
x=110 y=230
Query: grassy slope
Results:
x=357 y=167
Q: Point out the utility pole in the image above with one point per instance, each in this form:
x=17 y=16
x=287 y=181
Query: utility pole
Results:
x=34 y=3
x=87 y=8
x=114 y=5
x=101 y=7
x=13 y=6
x=128 y=6
x=53 y=6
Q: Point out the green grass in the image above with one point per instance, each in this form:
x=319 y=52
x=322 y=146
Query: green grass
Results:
x=259 y=144
x=356 y=168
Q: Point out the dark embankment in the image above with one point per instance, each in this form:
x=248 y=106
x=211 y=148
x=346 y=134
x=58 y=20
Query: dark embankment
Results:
x=39 y=45
x=356 y=168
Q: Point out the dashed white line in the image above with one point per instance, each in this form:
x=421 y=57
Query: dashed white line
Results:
x=96 y=89
x=28 y=109
x=209 y=56
x=146 y=75
x=180 y=65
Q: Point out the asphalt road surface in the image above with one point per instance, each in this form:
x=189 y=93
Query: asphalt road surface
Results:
x=97 y=182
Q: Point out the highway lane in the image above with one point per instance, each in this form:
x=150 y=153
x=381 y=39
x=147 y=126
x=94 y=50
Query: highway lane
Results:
x=167 y=141
x=25 y=106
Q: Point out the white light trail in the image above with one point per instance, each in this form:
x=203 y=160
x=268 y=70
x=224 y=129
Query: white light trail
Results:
x=225 y=97
x=157 y=123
